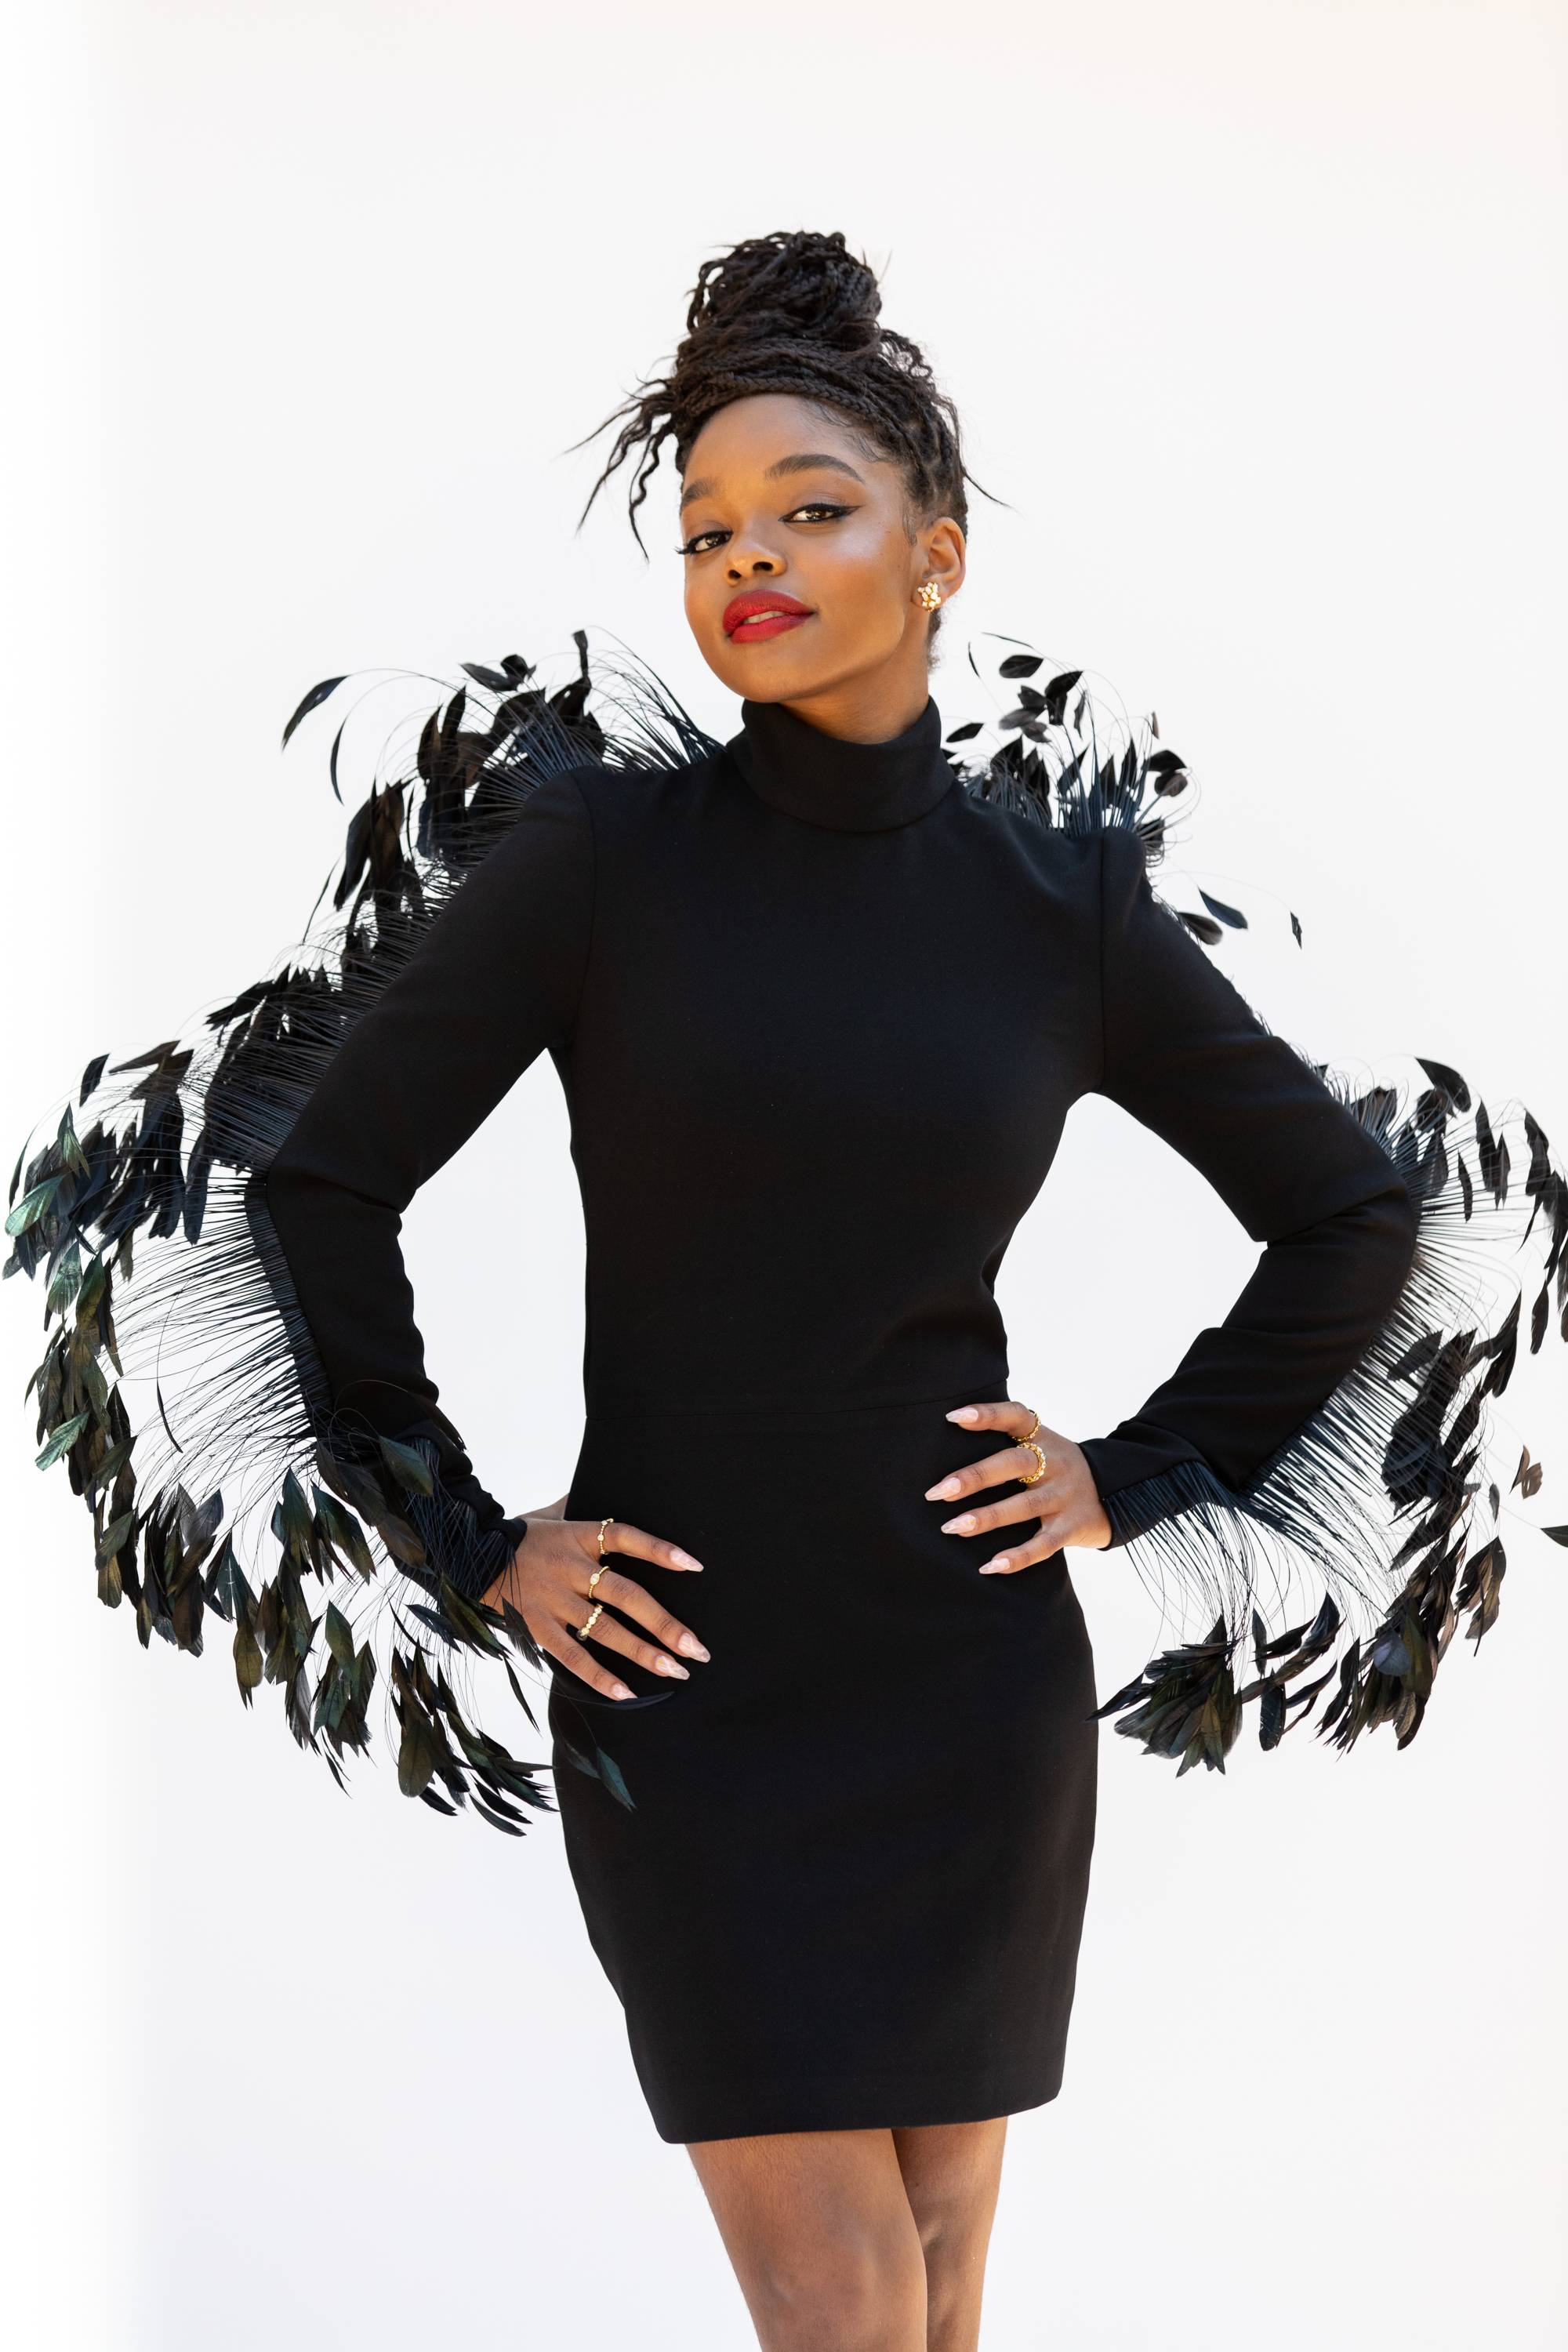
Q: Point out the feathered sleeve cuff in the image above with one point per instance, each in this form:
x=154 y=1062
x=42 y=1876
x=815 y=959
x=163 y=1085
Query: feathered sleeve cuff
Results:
x=1332 y=1429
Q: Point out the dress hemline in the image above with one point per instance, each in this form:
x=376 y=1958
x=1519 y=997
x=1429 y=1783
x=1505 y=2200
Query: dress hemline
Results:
x=835 y=2105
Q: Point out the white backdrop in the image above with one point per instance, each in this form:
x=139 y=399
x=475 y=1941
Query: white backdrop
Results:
x=1255 y=314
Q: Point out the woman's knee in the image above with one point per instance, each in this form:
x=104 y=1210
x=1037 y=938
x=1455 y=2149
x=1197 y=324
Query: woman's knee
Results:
x=952 y=2174
x=951 y=2219
x=851 y=2288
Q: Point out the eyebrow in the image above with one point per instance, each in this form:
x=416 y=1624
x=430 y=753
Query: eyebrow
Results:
x=804 y=462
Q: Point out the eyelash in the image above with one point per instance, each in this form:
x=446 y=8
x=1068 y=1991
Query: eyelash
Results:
x=814 y=507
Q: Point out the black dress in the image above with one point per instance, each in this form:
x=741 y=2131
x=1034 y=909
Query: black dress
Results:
x=820 y=1010
x=819 y=1016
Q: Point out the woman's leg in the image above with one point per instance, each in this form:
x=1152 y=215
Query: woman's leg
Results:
x=819 y=2230
x=952 y=2173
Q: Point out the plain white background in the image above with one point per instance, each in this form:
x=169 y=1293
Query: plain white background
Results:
x=1255 y=314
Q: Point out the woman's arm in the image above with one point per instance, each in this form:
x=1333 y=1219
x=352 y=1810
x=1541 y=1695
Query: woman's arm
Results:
x=494 y=982
x=1184 y=1053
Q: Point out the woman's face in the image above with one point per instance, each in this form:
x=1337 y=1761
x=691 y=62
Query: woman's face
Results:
x=801 y=571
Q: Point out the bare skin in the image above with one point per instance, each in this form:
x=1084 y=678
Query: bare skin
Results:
x=547 y=1582
x=1062 y=1494
x=842 y=2240
x=859 y=2240
x=835 y=535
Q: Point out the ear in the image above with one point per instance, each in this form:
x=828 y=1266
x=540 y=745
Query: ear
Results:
x=940 y=548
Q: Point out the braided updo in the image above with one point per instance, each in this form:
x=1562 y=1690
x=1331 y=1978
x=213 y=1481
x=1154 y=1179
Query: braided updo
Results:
x=796 y=312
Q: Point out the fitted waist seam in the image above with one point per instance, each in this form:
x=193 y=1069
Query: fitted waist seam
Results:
x=603 y=1404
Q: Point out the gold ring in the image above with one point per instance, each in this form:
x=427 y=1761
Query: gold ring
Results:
x=596 y=1611
x=1033 y=1425
x=1029 y=1443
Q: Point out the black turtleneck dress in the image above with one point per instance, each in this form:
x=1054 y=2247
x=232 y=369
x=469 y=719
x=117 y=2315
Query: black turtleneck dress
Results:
x=819 y=1016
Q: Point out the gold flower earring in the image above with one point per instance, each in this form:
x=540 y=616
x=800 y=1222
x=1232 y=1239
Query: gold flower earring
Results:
x=927 y=596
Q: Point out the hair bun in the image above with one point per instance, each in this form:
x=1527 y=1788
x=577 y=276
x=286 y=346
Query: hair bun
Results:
x=796 y=313
x=796 y=282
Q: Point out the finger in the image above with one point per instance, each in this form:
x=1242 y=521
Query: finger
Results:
x=570 y=1653
x=1049 y=1540
x=621 y=1536
x=1006 y=1413
x=985 y=1516
x=1018 y=1462
x=633 y=1600
x=617 y=1636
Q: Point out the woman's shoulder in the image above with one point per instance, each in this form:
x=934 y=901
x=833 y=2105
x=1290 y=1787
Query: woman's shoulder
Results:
x=1063 y=853
x=622 y=776
x=1063 y=777
x=620 y=796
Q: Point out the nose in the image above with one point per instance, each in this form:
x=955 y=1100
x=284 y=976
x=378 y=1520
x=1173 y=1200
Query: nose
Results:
x=749 y=560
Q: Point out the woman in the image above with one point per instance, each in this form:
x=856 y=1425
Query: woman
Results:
x=820 y=1005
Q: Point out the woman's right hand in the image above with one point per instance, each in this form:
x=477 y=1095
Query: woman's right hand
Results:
x=547 y=1583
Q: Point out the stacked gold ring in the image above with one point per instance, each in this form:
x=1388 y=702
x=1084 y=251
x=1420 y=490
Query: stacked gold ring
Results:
x=597 y=1610
x=1028 y=1441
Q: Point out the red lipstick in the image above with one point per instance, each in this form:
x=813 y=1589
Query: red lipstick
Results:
x=763 y=613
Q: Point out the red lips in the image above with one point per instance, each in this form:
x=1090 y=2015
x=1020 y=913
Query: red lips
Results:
x=746 y=614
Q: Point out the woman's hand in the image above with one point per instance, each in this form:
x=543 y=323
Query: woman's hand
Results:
x=547 y=1583
x=1066 y=1501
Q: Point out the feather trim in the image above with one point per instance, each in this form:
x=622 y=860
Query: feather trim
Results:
x=180 y=1387
x=1387 y=1498
x=1389 y=1492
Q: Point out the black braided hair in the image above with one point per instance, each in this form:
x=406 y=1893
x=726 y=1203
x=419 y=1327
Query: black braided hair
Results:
x=795 y=312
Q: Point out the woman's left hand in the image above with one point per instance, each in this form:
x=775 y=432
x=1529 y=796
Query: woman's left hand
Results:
x=1066 y=1500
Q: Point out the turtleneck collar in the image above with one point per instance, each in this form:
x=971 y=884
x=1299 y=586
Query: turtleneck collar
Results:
x=829 y=781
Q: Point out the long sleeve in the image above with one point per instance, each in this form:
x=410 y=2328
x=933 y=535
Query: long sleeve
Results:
x=1187 y=1055
x=494 y=982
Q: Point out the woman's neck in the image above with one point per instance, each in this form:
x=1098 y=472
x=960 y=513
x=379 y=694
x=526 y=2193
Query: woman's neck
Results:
x=870 y=709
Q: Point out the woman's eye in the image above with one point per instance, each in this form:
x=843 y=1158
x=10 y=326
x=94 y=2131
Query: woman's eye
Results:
x=818 y=510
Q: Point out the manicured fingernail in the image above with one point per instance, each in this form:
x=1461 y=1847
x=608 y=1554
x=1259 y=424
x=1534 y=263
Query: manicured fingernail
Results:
x=959 y=1527
x=684 y=1560
x=992 y=1566
x=692 y=1646
x=620 y=1691
x=962 y=1412
x=668 y=1667
x=948 y=1487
